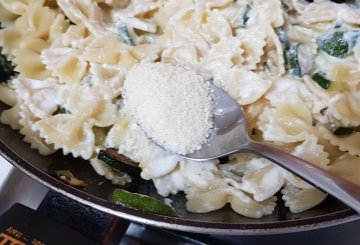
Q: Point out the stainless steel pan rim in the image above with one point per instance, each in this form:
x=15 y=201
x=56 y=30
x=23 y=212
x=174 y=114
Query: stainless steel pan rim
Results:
x=255 y=228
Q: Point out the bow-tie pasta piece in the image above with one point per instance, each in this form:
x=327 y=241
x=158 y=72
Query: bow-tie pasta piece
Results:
x=11 y=116
x=244 y=86
x=190 y=177
x=7 y=18
x=28 y=59
x=299 y=200
x=84 y=12
x=347 y=166
x=41 y=97
x=326 y=11
x=34 y=23
x=133 y=143
x=27 y=120
x=216 y=28
x=17 y=7
x=65 y=64
x=223 y=55
x=253 y=42
x=267 y=12
x=7 y=95
x=348 y=143
x=263 y=183
x=72 y=130
x=58 y=28
x=287 y=123
x=211 y=200
x=311 y=151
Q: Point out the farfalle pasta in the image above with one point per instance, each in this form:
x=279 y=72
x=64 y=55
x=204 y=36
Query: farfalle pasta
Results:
x=293 y=66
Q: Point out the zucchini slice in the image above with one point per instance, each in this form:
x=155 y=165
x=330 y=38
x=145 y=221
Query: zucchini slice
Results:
x=338 y=44
x=141 y=202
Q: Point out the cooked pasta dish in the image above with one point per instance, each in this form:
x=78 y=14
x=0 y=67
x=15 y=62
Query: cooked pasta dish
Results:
x=293 y=66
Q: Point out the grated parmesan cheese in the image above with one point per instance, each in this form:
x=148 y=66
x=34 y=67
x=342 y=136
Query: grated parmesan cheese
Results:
x=171 y=104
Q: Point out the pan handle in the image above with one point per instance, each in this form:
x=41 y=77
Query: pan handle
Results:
x=101 y=227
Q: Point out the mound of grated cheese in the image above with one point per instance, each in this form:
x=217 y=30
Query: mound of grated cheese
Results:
x=171 y=104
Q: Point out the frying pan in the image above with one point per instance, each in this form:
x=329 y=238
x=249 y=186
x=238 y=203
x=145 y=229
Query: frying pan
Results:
x=96 y=193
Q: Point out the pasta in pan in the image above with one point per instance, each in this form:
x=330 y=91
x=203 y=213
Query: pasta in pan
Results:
x=294 y=67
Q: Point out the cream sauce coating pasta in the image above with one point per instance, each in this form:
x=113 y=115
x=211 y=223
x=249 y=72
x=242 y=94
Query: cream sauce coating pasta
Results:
x=276 y=58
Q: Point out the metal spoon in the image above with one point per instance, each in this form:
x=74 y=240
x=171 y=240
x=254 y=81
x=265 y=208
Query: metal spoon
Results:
x=231 y=136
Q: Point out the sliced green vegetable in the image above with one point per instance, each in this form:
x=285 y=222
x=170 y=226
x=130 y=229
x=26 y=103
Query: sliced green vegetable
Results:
x=321 y=80
x=338 y=44
x=293 y=61
x=124 y=164
x=290 y=53
x=246 y=16
x=6 y=69
x=141 y=202
x=280 y=31
x=123 y=32
x=343 y=131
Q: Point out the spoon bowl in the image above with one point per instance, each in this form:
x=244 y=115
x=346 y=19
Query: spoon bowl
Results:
x=231 y=136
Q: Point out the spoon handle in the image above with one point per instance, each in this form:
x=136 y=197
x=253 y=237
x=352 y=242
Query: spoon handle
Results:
x=344 y=190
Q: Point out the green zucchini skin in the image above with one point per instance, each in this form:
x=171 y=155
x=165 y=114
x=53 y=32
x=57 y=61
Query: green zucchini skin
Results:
x=293 y=61
x=132 y=170
x=344 y=131
x=338 y=44
x=290 y=53
x=141 y=202
x=321 y=80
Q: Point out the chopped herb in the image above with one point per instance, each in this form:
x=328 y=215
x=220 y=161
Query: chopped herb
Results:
x=123 y=32
x=141 y=202
x=321 y=80
x=338 y=44
x=67 y=177
x=246 y=16
x=343 y=131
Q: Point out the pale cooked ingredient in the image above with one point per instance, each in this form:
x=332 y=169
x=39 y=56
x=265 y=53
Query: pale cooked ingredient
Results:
x=172 y=105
